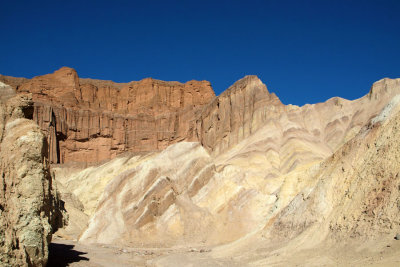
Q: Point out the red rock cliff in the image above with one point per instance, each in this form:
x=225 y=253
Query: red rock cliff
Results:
x=91 y=120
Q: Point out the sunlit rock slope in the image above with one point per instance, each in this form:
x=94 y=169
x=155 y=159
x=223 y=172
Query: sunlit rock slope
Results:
x=250 y=163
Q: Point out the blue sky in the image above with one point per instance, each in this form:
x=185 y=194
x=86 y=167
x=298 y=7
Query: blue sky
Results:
x=304 y=51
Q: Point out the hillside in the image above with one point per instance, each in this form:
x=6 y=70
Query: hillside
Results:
x=238 y=179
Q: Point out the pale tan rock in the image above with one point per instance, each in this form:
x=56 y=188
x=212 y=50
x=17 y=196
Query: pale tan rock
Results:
x=253 y=179
x=290 y=136
x=255 y=156
x=355 y=192
x=262 y=177
x=30 y=210
x=151 y=203
x=236 y=114
x=346 y=211
x=81 y=189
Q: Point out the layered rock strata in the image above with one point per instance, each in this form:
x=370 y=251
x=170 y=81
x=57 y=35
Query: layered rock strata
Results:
x=237 y=190
x=252 y=155
x=355 y=192
x=29 y=205
x=236 y=114
x=90 y=120
x=346 y=205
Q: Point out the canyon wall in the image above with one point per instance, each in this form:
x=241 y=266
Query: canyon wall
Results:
x=89 y=120
x=236 y=114
x=30 y=210
x=236 y=187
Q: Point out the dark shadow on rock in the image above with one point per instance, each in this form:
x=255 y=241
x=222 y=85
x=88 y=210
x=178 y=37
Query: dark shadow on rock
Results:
x=61 y=255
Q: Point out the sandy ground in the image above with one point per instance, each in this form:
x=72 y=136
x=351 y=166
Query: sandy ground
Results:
x=382 y=252
x=71 y=253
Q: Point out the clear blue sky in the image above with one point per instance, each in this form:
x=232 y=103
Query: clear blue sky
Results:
x=305 y=51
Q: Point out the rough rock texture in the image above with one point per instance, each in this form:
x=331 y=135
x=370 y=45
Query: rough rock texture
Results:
x=29 y=205
x=273 y=139
x=176 y=197
x=355 y=192
x=90 y=120
x=151 y=202
x=242 y=184
x=236 y=114
x=345 y=211
x=257 y=168
x=81 y=189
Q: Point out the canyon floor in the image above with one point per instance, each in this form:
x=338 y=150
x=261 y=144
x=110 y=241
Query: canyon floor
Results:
x=382 y=252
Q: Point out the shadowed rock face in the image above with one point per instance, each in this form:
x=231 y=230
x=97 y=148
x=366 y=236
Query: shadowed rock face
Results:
x=90 y=120
x=29 y=205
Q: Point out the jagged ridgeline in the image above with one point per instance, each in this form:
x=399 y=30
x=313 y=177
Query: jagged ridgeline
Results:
x=175 y=165
x=89 y=120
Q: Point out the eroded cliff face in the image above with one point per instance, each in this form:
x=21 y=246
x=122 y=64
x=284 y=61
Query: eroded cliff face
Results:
x=236 y=114
x=236 y=187
x=248 y=127
x=90 y=120
x=29 y=205
x=253 y=156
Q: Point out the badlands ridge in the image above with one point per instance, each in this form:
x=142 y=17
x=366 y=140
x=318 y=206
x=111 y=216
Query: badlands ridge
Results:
x=240 y=177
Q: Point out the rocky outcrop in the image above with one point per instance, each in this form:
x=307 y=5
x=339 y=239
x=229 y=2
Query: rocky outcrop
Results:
x=29 y=205
x=90 y=120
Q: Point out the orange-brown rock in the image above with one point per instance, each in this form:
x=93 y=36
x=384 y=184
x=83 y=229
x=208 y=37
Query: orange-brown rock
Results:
x=91 y=120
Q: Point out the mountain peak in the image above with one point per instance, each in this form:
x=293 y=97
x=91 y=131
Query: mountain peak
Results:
x=249 y=83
